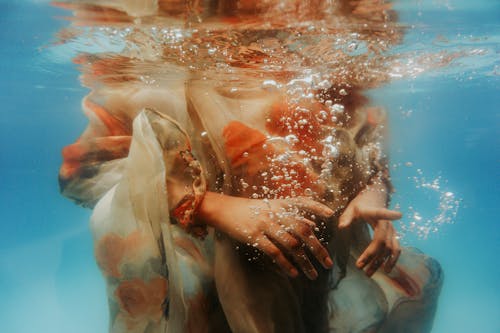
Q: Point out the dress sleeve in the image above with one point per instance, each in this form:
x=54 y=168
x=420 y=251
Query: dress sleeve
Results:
x=139 y=227
x=96 y=161
x=185 y=179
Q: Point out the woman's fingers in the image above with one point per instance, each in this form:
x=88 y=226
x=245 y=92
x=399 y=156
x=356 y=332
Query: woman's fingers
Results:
x=373 y=257
x=382 y=238
x=367 y=213
x=368 y=255
x=377 y=262
x=383 y=250
x=311 y=206
x=266 y=246
x=379 y=214
x=279 y=234
x=346 y=218
x=375 y=249
x=394 y=256
x=300 y=257
x=303 y=229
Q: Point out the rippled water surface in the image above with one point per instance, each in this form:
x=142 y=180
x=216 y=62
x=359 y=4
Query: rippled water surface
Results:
x=433 y=65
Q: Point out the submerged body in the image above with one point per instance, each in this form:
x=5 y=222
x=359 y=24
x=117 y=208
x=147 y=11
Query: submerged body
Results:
x=152 y=153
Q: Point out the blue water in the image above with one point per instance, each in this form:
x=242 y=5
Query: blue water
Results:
x=445 y=122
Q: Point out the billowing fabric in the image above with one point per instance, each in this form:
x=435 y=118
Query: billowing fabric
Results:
x=147 y=157
x=246 y=99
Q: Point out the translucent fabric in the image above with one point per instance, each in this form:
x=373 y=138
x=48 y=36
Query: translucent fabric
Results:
x=254 y=99
x=144 y=163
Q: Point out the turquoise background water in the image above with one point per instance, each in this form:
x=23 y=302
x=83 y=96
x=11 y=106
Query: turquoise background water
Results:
x=445 y=122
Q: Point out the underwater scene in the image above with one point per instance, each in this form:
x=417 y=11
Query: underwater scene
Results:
x=249 y=166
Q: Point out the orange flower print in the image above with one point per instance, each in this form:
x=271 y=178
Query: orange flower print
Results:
x=112 y=251
x=140 y=299
x=84 y=154
x=244 y=146
x=256 y=162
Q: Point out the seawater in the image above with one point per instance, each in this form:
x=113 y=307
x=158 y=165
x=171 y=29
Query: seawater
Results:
x=442 y=101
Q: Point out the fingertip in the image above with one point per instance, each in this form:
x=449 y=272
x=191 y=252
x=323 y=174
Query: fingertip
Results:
x=293 y=242
x=309 y=223
x=312 y=275
x=328 y=212
x=343 y=222
x=394 y=214
x=328 y=262
x=324 y=211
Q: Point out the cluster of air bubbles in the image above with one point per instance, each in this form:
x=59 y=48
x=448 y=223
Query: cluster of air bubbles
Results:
x=169 y=35
x=271 y=85
x=306 y=88
x=427 y=221
x=405 y=113
x=112 y=32
x=496 y=70
x=282 y=216
x=411 y=67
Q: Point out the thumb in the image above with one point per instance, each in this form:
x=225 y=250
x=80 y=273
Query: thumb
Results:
x=346 y=218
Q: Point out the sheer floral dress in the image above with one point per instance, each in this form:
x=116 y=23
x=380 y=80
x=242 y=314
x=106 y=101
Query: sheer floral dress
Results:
x=144 y=163
x=151 y=151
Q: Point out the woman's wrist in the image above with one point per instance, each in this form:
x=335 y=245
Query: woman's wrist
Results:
x=377 y=192
x=211 y=208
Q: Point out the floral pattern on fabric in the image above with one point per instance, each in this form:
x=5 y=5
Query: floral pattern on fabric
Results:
x=140 y=299
x=150 y=114
x=151 y=266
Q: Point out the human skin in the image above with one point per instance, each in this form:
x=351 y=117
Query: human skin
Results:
x=369 y=206
x=265 y=223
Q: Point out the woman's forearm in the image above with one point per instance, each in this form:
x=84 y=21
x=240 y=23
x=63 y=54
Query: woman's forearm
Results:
x=212 y=208
x=377 y=190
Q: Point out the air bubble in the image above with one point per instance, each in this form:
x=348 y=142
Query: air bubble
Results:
x=338 y=107
x=270 y=85
x=352 y=47
x=291 y=139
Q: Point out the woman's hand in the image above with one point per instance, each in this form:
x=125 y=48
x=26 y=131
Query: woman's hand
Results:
x=369 y=206
x=272 y=226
